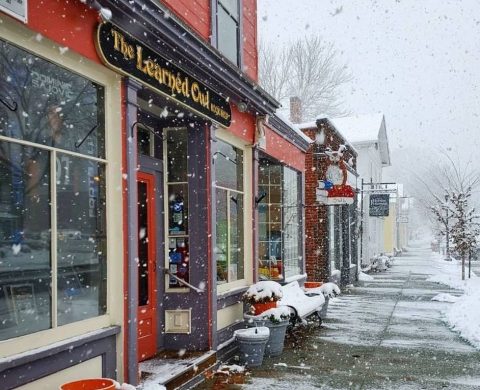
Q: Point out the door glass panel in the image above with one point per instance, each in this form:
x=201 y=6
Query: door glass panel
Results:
x=142 y=243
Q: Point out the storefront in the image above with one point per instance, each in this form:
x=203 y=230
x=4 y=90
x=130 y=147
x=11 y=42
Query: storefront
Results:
x=190 y=129
x=279 y=203
x=331 y=205
x=60 y=212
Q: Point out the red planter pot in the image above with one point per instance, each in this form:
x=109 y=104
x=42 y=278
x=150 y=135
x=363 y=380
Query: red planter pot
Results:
x=90 y=384
x=312 y=284
x=261 y=307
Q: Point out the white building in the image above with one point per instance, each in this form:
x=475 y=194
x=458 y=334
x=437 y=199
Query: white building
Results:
x=368 y=135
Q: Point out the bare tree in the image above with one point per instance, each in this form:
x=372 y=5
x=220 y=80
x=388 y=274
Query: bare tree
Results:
x=307 y=68
x=466 y=229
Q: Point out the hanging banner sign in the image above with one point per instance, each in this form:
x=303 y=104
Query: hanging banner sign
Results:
x=379 y=205
x=122 y=52
x=334 y=190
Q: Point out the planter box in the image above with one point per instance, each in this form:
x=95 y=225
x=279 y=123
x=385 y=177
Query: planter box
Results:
x=251 y=343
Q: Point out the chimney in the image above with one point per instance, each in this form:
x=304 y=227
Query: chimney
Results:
x=295 y=109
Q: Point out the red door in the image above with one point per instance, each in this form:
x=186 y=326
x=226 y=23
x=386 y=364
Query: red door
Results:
x=147 y=285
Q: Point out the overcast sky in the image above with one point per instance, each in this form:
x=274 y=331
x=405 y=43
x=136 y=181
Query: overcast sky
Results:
x=417 y=61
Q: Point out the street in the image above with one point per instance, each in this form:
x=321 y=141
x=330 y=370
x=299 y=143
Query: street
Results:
x=385 y=334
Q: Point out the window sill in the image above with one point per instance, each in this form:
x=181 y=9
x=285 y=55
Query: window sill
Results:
x=231 y=292
x=295 y=277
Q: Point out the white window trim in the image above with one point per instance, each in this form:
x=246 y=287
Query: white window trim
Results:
x=226 y=136
x=24 y=38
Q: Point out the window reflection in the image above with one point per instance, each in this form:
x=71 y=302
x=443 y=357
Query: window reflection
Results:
x=279 y=229
x=229 y=248
x=81 y=239
x=25 y=279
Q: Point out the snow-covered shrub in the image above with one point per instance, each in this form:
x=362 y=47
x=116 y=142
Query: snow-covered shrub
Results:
x=263 y=292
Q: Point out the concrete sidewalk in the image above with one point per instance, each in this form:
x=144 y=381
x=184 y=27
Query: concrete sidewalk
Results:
x=385 y=334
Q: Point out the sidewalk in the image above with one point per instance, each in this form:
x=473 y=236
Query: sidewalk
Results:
x=385 y=334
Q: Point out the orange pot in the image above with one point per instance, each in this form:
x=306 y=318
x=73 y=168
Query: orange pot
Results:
x=261 y=307
x=90 y=384
x=312 y=284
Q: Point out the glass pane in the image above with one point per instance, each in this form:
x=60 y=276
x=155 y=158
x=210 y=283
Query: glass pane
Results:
x=177 y=155
x=143 y=252
x=228 y=166
x=177 y=209
x=227 y=37
x=178 y=260
x=231 y=6
x=25 y=236
x=81 y=239
x=221 y=246
x=275 y=192
x=291 y=224
x=144 y=141
x=55 y=106
x=235 y=268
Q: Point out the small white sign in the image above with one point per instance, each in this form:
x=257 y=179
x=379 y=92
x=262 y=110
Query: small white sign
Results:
x=15 y=8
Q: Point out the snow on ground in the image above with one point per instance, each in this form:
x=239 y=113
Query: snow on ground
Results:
x=363 y=277
x=464 y=315
x=445 y=297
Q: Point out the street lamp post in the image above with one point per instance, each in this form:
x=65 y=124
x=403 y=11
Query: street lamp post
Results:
x=447 y=235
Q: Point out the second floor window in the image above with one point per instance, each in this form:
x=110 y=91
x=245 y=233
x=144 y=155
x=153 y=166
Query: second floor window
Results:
x=228 y=29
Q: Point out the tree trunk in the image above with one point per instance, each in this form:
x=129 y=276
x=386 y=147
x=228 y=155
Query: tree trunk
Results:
x=463 y=267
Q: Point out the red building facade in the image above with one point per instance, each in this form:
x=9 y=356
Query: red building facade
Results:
x=145 y=134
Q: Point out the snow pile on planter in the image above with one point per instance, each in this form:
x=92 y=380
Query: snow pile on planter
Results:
x=329 y=290
x=276 y=314
x=264 y=291
x=326 y=289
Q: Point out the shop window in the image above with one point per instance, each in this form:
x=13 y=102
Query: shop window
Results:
x=229 y=193
x=331 y=238
x=52 y=201
x=228 y=29
x=177 y=205
x=279 y=225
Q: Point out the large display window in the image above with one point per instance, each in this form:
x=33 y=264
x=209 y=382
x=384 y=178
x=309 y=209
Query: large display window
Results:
x=229 y=193
x=279 y=227
x=52 y=195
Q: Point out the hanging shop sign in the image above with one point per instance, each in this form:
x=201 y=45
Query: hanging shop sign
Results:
x=379 y=205
x=334 y=190
x=122 y=52
x=15 y=8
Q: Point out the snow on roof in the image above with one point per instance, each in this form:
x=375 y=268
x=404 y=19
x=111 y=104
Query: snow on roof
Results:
x=313 y=125
x=359 y=128
x=295 y=127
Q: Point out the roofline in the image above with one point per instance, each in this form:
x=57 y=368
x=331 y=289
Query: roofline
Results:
x=286 y=131
x=156 y=26
x=319 y=121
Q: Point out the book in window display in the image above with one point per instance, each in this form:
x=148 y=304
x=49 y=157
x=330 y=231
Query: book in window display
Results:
x=177 y=216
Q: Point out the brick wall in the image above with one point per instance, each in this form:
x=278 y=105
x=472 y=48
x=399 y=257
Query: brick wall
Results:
x=316 y=223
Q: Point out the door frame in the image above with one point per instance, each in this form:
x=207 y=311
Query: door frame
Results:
x=152 y=166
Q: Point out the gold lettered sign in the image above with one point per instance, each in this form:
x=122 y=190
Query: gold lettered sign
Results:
x=124 y=53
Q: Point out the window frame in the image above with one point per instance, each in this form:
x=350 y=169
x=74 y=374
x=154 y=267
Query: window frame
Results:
x=20 y=37
x=225 y=136
x=283 y=167
x=214 y=33
x=166 y=184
